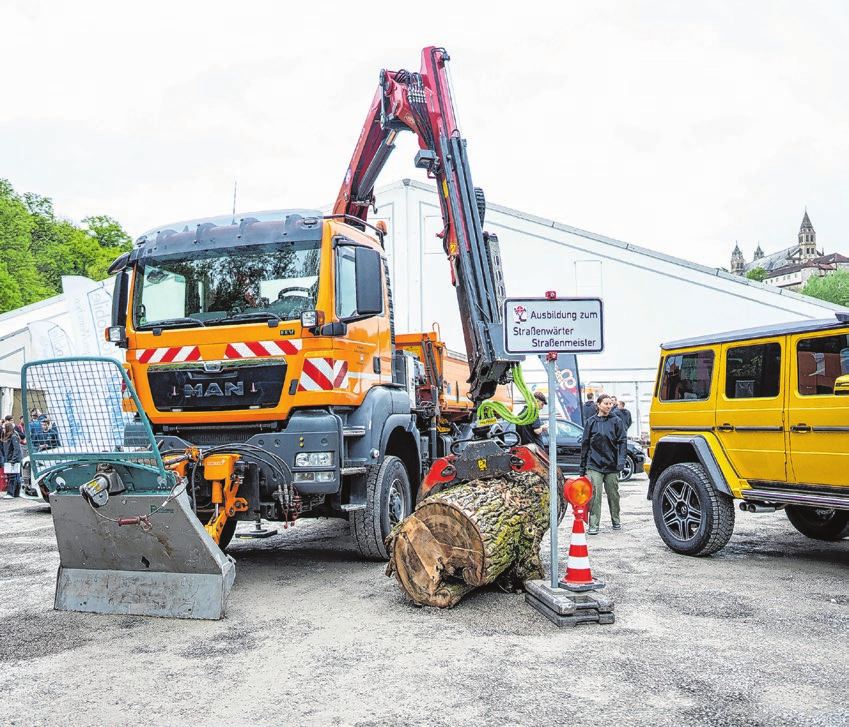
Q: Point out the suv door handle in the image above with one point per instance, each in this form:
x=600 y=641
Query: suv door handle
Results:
x=800 y=428
x=724 y=428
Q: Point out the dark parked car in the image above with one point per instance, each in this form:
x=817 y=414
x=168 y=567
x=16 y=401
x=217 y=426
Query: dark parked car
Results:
x=569 y=451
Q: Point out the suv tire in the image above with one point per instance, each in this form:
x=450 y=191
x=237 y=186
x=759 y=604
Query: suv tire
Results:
x=819 y=523
x=691 y=517
x=388 y=502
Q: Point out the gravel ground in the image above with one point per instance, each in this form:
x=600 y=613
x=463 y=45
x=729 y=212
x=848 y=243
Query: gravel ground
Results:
x=756 y=635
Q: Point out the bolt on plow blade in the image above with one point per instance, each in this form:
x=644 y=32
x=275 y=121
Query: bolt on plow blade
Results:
x=173 y=569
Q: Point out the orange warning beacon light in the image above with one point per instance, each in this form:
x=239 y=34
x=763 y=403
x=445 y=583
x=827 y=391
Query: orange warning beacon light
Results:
x=579 y=491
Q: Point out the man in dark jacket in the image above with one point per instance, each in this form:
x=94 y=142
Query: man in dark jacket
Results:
x=588 y=409
x=624 y=414
x=35 y=429
x=603 y=447
x=536 y=433
x=49 y=438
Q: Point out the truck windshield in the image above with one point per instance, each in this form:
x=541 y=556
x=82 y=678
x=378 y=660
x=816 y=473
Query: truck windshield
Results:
x=221 y=286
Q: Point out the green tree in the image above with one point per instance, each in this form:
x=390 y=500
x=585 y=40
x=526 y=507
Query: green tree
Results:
x=37 y=248
x=108 y=232
x=758 y=274
x=20 y=281
x=833 y=288
x=38 y=205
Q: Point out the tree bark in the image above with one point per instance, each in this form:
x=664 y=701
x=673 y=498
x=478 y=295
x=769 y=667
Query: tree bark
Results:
x=475 y=533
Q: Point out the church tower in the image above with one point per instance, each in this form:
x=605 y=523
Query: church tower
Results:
x=807 y=239
x=737 y=262
x=758 y=252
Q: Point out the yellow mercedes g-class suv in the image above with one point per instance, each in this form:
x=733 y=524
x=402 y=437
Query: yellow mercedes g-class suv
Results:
x=760 y=416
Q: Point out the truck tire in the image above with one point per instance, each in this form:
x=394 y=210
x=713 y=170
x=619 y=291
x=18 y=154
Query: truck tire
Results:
x=691 y=517
x=819 y=523
x=388 y=502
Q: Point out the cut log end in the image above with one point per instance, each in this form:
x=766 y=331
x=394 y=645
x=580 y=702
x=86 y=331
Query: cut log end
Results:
x=471 y=535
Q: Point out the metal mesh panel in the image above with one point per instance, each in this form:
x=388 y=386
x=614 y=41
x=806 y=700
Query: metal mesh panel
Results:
x=84 y=406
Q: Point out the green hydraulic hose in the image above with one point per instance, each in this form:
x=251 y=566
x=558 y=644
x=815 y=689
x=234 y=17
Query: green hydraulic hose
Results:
x=495 y=409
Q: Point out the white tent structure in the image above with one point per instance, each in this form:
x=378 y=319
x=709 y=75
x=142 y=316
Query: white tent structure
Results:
x=647 y=297
x=70 y=324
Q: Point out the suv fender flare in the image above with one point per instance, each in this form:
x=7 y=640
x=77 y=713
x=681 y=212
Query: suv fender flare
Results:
x=672 y=450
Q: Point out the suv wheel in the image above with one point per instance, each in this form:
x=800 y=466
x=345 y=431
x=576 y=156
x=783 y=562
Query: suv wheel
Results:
x=691 y=517
x=819 y=523
x=628 y=470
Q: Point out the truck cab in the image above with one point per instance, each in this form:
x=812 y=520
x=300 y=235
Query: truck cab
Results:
x=272 y=336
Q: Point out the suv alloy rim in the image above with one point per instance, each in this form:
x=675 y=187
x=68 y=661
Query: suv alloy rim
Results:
x=681 y=510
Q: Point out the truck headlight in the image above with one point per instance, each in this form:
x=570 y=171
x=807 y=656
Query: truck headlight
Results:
x=116 y=334
x=314 y=459
x=315 y=476
x=312 y=318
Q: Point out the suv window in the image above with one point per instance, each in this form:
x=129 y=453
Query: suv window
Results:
x=686 y=376
x=821 y=361
x=753 y=371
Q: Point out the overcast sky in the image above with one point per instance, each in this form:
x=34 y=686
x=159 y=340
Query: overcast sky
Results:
x=679 y=126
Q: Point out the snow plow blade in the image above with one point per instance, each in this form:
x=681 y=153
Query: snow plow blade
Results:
x=174 y=569
x=129 y=540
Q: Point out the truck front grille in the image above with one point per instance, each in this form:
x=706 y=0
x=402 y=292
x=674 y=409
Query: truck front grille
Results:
x=190 y=388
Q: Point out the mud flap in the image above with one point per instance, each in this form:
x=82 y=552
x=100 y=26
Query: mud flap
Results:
x=173 y=570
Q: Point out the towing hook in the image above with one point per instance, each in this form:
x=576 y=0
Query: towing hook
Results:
x=448 y=471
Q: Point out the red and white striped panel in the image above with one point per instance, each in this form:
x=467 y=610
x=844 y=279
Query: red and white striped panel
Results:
x=261 y=349
x=172 y=354
x=323 y=374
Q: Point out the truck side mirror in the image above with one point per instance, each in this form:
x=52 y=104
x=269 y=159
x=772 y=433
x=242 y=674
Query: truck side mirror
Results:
x=117 y=332
x=841 y=385
x=369 y=266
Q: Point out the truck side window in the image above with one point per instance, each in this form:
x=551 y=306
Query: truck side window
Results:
x=753 y=371
x=346 y=282
x=820 y=361
x=687 y=376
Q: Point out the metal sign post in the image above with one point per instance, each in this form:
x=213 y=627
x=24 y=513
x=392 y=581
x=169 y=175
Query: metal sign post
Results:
x=550 y=363
x=549 y=326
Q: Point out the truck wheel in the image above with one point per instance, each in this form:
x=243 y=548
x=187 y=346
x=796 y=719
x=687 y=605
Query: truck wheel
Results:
x=628 y=470
x=388 y=502
x=691 y=517
x=819 y=523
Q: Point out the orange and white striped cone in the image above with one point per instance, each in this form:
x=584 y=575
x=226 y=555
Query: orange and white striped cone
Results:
x=578 y=575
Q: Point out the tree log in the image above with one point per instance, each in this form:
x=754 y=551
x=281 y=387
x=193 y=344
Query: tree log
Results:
x=472 y=534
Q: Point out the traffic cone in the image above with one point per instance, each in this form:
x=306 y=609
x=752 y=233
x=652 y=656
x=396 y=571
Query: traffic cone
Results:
x=578 y=575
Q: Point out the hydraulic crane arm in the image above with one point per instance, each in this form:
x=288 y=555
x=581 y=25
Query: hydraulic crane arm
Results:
x=421 y=103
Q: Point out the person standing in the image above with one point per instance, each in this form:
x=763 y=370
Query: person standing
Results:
x=588 y=409
x=10 y=449
x=19 y=428
x=34 y=428
x=49 y=436
x=627 y=419
x=603 y=447
x=535 y=433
